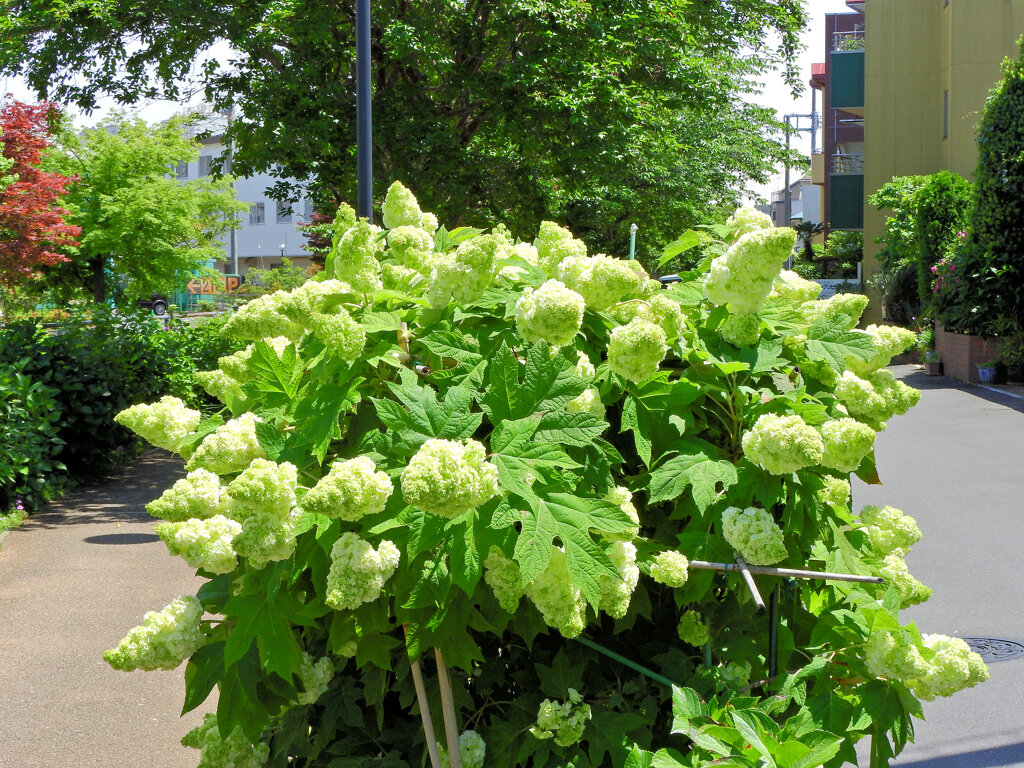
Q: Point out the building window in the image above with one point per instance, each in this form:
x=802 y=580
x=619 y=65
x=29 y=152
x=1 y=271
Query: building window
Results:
x=181 y=171
x=257 y=214
x=307 y=212
x=284 y=213
x=205 y=164
x=945 y=114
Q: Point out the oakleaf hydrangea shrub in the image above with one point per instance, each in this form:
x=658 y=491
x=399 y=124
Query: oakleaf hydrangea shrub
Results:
x=515 y=453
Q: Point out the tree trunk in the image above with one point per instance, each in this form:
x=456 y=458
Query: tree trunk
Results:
x=99 y=285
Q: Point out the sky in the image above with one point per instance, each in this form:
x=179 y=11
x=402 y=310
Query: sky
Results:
x=776 y=93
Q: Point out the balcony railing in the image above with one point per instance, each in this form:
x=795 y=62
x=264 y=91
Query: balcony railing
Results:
x=844 y=42
x=848 y=164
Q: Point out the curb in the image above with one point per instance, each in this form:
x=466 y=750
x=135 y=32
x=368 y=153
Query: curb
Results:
x=998 y=391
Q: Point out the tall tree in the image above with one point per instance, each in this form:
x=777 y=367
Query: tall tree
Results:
x=596 y=112
x=33 y=232
x=147 y=227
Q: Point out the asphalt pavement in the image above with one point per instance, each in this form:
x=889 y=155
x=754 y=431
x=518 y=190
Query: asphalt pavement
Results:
x=955 y=462
x=74 y=579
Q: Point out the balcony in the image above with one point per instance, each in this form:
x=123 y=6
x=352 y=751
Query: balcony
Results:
x=846 y=72
x=817 y=167
x=848 y=164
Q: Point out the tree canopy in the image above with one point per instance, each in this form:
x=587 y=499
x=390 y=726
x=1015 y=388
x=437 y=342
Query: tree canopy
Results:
x=137 y=220
x=597 y=113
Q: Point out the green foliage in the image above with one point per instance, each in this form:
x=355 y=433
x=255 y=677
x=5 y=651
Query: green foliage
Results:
x=843 y=251
x=506 y=111
x=943 y=209
x=286 y=277
x=585 y=503
x=138 y=221
x=29 y=420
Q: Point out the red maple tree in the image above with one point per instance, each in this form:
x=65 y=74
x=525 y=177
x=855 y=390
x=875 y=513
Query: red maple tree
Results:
x=32 y=227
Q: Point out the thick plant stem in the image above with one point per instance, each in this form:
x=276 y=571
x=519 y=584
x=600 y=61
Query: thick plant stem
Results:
x=451 y=726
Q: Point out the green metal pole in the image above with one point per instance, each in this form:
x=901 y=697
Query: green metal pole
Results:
x=632 y=241
x=627 y=662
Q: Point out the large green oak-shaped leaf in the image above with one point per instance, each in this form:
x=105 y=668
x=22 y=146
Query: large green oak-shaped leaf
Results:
x=697 y=469
x=829 y=342
x=518 y=453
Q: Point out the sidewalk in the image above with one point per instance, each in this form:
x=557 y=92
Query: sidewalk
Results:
x=73 y=580
x=954 y=463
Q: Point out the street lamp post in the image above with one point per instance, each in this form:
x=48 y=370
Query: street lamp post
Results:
x=364 y=133
x=281 y=246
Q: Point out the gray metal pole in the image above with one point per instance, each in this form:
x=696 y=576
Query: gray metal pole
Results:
x=788 y=193
x=364 y=130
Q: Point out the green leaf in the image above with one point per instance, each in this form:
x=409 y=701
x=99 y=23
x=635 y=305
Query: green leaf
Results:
x=517 y=453
x=570 y=519
x=417 y=415
x=686 y=707
x=274 y=375
x=381 y=322
x=696 y=469
x=577 y=429
x=820 y=747
x=318 y=413
x=262 y=617
x=204 y=669
x=270 y=439
x=828 y=341
x=549 y=381
x=464 y=557
x=749 y=729
x=689 y=239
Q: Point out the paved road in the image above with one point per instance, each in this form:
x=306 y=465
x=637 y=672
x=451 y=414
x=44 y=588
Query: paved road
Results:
x=956 y=463
x=73 y=580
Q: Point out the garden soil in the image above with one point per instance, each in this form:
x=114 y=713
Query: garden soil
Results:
x=74 y=578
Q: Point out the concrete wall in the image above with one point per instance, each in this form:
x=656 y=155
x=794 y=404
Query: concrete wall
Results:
x=916 y=51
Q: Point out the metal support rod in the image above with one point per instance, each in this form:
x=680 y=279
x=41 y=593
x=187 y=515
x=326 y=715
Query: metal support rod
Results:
x=765 y=570
x=364 y=130
x=626 y=662
x=451 y=726
x=632 y=241
x=751 y=585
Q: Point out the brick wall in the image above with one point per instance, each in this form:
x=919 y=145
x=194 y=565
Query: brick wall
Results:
x=960 y=353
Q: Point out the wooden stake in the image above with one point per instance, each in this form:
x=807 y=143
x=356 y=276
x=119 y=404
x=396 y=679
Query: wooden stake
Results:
x=428 y=723
x=451 y=726
x=765 y=570
x=749 y=579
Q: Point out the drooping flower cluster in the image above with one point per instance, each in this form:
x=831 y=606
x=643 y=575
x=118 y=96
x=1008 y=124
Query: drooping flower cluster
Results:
x=204 y=544
x=616 y=592
x=742 y=277
x=601 y=280
x=163 y=640
x=876 y=399
x=670 y=568
x=339 y=333
x=472 y=751
x=692 y=629
x=559 y=602
x=229 y=448
x=465 y=275
x=889 y=530
x=232 y=751
x=355 y=257
x=198 y=494
x=895 y=572
x=789 y=285
x=266 y=538
x=888 y=341
x=218 y=384
x=835 y=493
x=894 y=655
x=264 y=488
x=588 y=401
x=552 y=313
x=315 y=297
x=849 y=305
x=635 y=350
x=262 y=318
x=783 y=444
x=315 y=677
x=554 y=244
x=748 y=219
x=754 y=534
x=350 y=490
x=623 y=498
x=847 y=442
x=742 y=330
x=940 y=666
x=448 y=477
x=504 y=578
x=165 y=423
x=358 y=571
x=562 y=721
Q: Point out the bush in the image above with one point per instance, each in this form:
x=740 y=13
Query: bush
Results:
x=943 y=210
x=843 y=252
x=188 y=347
x=405 y=462
x=29 y=422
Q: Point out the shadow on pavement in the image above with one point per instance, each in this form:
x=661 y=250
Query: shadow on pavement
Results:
x=122 y=538
x=916 y=378
x=121 y=497
x=1011 y=754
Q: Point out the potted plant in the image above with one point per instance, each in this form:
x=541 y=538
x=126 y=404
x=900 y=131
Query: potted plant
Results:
x=926 y=349
x=1011 y=352
x=988 y=372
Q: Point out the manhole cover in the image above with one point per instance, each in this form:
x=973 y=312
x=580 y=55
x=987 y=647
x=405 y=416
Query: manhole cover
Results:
x=995 y=648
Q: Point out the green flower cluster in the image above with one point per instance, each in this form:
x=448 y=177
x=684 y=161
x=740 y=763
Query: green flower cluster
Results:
x=911 y=591
x=203 y=543
x=465 y=275
x=588 y=401
x=552 y=313
x=754 y=534
x=472 y=750
x=198 y=494
x=601 y=280
x=748 y=219
x=262 y=318
x=742 y=330
x=692 y=629
x=635 y=350
x=232 y=751
x=783 y=444
x=789 y=285
x=358 y=571
x=504 y=578
x=165 y=423
x=849 y=305
x=894 y=655
x=559 y=602
x=350 y=490
x=888 y=341
x=623 y=498
x=218 y=384
x=939 y=666
x=889 y=530
x=266 y=538
x=616 y=592
x=670 y=568
x=877 y=398
x=742 y=277
x=563 y=721
x=354 y=257
x=163 y=640
x=315 y=676
x=448 y=477
x=229 y=448
x=340 y=333
x=315 y=297
x=554 y=245
x=846 y=442
x=401 y=209
x=264 y=488
x=835 y=493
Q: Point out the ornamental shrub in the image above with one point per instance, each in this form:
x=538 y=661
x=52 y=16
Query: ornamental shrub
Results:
x=446 y=488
